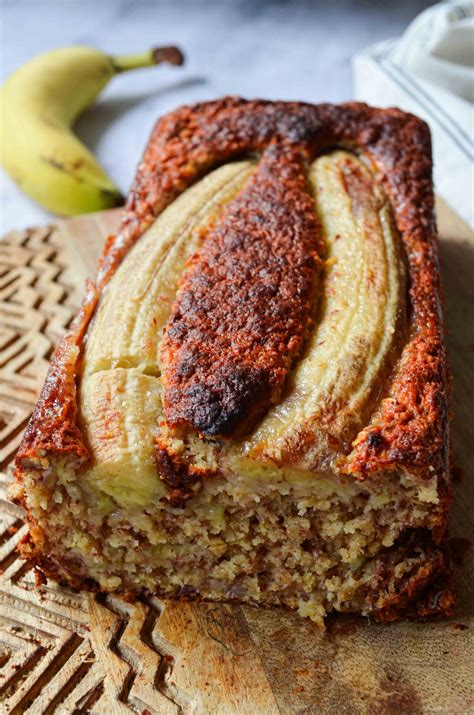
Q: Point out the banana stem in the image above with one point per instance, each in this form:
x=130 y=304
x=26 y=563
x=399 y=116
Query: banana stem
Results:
x=171 y=55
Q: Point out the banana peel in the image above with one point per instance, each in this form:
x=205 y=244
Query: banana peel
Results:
x=40 y=104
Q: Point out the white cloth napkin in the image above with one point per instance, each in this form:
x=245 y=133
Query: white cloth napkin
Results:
x=429 y=71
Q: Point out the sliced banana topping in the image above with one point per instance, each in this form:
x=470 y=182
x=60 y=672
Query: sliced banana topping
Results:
x=120 y=389
x=128 y=325
x=120 y=410
x=328 y=396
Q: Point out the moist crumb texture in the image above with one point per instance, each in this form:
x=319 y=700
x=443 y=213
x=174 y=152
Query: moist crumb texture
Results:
x=251 y=404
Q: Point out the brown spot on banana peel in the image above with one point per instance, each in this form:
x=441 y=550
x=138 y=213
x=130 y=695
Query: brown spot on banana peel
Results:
x=71 y=170
x=49 y=122
x=118 y=197
x=60 y=166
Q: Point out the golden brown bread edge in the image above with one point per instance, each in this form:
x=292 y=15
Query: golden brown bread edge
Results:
x=410 y=430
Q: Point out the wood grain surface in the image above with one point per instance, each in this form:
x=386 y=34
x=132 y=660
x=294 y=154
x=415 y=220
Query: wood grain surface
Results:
x=65 y=652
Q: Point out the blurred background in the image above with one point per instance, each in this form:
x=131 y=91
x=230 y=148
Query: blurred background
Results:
x=298 y=49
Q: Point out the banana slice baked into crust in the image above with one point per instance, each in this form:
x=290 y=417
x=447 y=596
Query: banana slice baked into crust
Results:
x=251 y=403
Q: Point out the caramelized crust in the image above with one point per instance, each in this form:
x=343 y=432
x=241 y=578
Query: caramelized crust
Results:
x=53 y=427
x=245 y=304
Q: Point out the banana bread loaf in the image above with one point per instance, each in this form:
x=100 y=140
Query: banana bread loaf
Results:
x=251 y=404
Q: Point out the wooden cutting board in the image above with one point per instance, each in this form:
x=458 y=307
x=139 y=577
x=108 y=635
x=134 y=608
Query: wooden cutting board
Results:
x=77 y=653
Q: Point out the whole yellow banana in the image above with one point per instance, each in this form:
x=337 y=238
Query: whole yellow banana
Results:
x=40 y=103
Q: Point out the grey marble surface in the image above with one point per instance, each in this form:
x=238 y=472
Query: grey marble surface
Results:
x=267 y=48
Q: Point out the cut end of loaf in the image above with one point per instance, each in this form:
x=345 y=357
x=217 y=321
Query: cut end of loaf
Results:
x=334 y=546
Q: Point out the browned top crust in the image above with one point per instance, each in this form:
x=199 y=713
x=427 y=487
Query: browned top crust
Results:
x=246 y=303
x=409 y=430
